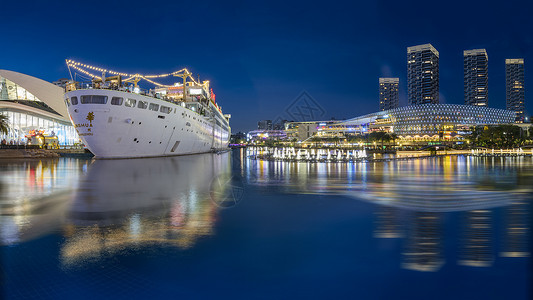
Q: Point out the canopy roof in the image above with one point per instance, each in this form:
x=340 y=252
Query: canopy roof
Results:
x=48 y=93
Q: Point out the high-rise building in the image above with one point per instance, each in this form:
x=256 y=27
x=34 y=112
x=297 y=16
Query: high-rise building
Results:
x=476 y=78
x=388 y=93
x=514 y=87
x=422 y=74
x=264 y=125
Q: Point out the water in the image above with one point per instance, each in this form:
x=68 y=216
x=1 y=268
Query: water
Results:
x=223 y=226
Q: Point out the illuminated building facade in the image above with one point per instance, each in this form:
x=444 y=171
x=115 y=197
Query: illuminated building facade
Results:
x=430 y=120
x=514 y=87
x=422 y=74
x=476 y=78
x=33 y=106
x=388 y=93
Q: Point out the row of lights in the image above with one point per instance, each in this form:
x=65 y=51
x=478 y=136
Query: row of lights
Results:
x=78 y=66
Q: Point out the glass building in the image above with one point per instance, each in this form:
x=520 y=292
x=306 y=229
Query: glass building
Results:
x=476 y=80
x=430 y=120
x=33 y=106
x=388 y=93
x=514 y=87
x=422 y=74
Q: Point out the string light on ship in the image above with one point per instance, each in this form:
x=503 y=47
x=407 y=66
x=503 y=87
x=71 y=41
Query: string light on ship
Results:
x=79 y=66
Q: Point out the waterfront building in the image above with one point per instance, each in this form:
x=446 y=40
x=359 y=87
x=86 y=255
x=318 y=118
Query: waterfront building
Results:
x=266 y=135
x=264 y=125
x=388 y=93
x=476 y=78
x=302 y=131
x=33 y=106
x=426 y=122
x=422 y=74
x=514 y=87
x=429 y=121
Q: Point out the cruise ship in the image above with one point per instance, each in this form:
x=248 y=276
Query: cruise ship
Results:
x=115 y=118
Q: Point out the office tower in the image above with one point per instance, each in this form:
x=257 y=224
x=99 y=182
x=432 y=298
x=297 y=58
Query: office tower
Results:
x=388 y=93
x=476 y=78
x=514 y=87
x=422 y=74
x=264 y=125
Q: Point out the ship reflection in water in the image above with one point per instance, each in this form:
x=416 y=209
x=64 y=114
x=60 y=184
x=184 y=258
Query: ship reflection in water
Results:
x=133 y=203
x=160 y=227
x=414 y=197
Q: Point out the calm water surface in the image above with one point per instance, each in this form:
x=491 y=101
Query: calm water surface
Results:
x=223 y=226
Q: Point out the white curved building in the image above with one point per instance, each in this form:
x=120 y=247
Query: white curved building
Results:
x=32 y=104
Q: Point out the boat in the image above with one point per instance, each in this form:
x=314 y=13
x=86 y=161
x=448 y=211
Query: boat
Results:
x=115 y=118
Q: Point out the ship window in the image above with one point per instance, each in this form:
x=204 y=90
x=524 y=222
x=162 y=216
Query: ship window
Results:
x=95 y=99
x=74 y=100
x=154 y=107
x=116 y=101
x=165 y=109
x=142 y=104
x=130 y=102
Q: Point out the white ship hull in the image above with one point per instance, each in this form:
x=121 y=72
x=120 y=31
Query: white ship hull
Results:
x=119 y=131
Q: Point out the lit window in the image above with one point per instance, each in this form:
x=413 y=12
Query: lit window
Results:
x=130 y=102
x=116 y=101
x=153 y=106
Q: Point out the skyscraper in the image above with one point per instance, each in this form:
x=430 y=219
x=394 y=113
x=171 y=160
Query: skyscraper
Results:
x=514 y=87
x=388 y=93
x=476 y=78
x=264 y=125
x=422 y=74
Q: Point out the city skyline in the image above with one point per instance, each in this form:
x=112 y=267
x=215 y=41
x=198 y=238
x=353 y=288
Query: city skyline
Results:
x=260 y=56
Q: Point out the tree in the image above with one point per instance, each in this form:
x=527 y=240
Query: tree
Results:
x=4 y=126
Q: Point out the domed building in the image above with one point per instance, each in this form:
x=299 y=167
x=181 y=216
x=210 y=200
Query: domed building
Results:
x=33 y=106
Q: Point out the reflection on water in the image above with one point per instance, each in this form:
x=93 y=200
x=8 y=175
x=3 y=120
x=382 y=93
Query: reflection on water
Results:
x=413 y=197
x=112 y=204
x=35 y=195
x=97 y=225
x=134 y=203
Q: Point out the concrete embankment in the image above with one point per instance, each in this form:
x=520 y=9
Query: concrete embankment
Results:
x=42 y=153
x=27 y=153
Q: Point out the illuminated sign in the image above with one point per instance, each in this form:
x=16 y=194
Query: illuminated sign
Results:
x=195 y=91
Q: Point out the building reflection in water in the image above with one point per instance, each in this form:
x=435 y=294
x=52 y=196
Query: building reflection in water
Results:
x=35 y=195
x=388 y=223
x=423 y=251
x=476 y=247
x=516 y=239
x=128 y=204
x=413 y=196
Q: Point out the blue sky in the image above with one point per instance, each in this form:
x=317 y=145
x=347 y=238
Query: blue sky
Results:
x=260 y=55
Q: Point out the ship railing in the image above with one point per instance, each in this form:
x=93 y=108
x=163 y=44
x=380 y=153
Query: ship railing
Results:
x=129 y=89
x=89 y=85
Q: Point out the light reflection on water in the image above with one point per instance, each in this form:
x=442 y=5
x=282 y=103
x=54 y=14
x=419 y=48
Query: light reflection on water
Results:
x=111 y=208
x=114 y=205
x=412 y=197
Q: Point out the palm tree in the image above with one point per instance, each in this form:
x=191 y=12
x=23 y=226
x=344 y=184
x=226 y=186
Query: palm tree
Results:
x=4 y=126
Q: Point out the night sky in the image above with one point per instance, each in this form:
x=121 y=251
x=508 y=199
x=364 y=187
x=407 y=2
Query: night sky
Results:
x=260 y=56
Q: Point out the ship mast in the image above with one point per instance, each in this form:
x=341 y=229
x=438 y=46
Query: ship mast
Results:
x=184 y=75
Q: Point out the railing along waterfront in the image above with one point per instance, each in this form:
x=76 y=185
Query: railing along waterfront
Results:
x=293 y=154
